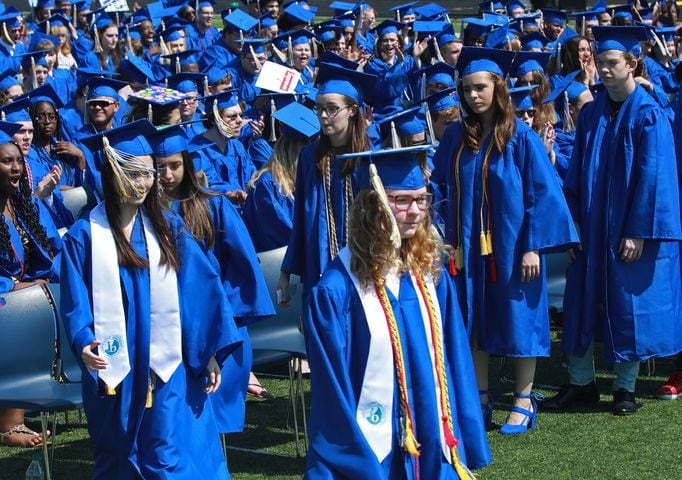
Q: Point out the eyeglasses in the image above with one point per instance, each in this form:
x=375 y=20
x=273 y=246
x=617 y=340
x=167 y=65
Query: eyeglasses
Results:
x=100 y=103
x=331 y=110
x=50 y=117
x=404 y=202
x=523 y=113
x=141 y=175
x=188 y=100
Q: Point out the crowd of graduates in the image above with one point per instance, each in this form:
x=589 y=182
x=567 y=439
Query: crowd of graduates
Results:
x=419 y=173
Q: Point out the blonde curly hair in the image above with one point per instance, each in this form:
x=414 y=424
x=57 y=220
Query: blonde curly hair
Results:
x=373 y=254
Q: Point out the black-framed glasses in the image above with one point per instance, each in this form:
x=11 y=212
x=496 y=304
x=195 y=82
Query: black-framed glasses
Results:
x=522 y=113
x=330 y=110
x=100 y=103
x=188 y=100
x=404 y=202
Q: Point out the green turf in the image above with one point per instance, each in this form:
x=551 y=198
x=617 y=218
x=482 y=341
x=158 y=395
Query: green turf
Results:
x=574 y=445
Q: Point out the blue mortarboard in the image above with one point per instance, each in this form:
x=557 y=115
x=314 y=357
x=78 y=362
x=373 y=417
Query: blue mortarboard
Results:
x=169 y=141
x=45 y=4
x=625 y=39
x=37 y=57
x=298 y=121
x=585 y=16
x=666 y=33
x=623 y=11
x=346 y=21
x=328 y=30
x=267 y=20
x=8 y=79
x=90 y=16
x=341 y=7
x=136 y=69
x=561 y=84
x=499 y=37
x=490 y=6
x=399 y=171
x=57 y=20
x=172 y=34
x=477 y=26
x=299 y=14
x=521 y=97
x=46 y=93
x=430 y=11
x=534 y=40
x=38 y=38
x=442 y=100
x=553 y=15
x=257 y=45
x=425 y=28
x=388 y=26
x=446 y=35
x=335 y=79
x=514 y=5
x=7 y=129
x=214 y=74
x=439 y=72
x=407 y=122
x=102 y=22
x=11 y=17
x=645 y=13
x=205 y=3
x=525 y=62
x=16 y=111
x=84 y=74
x=225 y=99
x=130 y=138
x=187 y=57
x=239 y=20
x=298 y=37
x=81 y=4
x=479 y=59
x=519 y=23
x=187 y=82
x=403 y=9
x=157 y=95
x=101 y=87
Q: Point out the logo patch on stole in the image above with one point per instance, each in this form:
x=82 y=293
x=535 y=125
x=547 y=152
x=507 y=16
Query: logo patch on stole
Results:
x=112 y=345
x=374 y=413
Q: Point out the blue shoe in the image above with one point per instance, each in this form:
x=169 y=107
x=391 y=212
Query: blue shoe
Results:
x=528 y=422
x=487 y=410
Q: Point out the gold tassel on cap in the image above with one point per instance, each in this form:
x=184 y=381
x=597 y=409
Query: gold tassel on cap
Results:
x=98 y=44
x=378 y=186
x=220 y=124
x=273 y=133
x=34 y=82
x=6 y=34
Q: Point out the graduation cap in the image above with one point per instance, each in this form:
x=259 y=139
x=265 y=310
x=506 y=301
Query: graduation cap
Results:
x=103 y=87
x=267 y=20
x=513 y=5
x=187 y=82
x=341 y=8
x=623 y=11
x=431 y=11
x=16 y=111
x=252 y=46
x=534 y=40
x=666 y=33
x=46 y=93
x=562 y=84
x=519 y=22
x=7 y=129
x=11 y=18
x=425 y=28
x=130 y=138
x=480 y=59
x=298 y=121
x=490 y=6
x=521 y=97
x=403 y=9
x=477 y=27
x=84 y=74
x=401 y=122
x=37 y=39
x=525 y=62
x=624 y=39
x=335 y=79
x=585 y=16
x=499 y=38
x=169 y=141
x=178 y=60
x=222 y=100
x=157 y=95
x=327 y=31
x=213 y=74
x=299 y=14
x=442 y=100
x=388 y=26
x=439 y=72
x=45 y=4
x=553 y=15
x=399 y=170
x=8 y=79
x=172 y=34
x=136 y=69
x=238 y=21
x=56 y=20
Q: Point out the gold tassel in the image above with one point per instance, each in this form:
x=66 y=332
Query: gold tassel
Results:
x=484 y=243
x=290 y=52
x=150 y=389
x=110 y=391
x=489 y=242
x=395 y=139
x=280 y=55
x=459 y=258
x=150 y=113
x=178 y=67
x=463 y=473
x=409 y=443
x=439 y=55
x=255 y=58
x=378 y=186
x=98 y=44
x=129 y=42
x=34 y=83
x=75 y=16
x=164 y=47
x=8 y=39
x=429 y=121
x=273 y=135
x=205 y=83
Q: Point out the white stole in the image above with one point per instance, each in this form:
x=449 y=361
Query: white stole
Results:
x=375 y=406
x=165 y=350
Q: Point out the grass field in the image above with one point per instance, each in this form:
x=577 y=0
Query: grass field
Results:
x=575 y=445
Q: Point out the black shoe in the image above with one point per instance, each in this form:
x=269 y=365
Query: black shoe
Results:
x=624 y=402
x=570 y=395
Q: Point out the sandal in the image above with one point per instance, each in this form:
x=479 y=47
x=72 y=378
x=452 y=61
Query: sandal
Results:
x=257 y=390
x=21 y=430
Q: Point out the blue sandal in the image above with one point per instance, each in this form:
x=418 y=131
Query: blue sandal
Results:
x=528 y=422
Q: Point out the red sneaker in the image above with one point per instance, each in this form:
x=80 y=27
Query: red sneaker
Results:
x=672 y=388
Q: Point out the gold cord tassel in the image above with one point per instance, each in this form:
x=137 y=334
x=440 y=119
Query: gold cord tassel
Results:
x=378 y=186
x=222 y=127
x=290 y=52
x=34 y=82
x=110 y=391
x=408 y=442
x=439 y=55
x=459 y=258
x=8 y=39
x=395 y=139
x=484 y=243
x=150 y=389
x=98 y=44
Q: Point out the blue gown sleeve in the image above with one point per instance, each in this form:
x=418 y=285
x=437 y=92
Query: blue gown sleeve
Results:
x=260 y=152
x=268 y=215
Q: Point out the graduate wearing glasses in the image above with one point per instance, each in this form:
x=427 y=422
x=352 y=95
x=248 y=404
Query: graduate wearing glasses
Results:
x=392 y=382
x=505 y=210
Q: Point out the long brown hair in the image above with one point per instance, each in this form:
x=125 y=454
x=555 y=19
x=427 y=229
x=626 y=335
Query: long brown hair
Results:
x=358 y=141
x=193 y=199
x=373 y=254
x=282 y=164
x=504 y=122
x=127 y=257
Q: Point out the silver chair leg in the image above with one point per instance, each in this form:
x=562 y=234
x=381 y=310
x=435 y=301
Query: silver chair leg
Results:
x=303 y=410
x=292 y=401
x=46 y=460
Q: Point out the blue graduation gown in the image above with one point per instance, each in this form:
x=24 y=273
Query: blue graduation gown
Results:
x=247 y=292
x=563 y=145
x=393 y=81
x=338 y=344
x=623 y=183
x=229 y=159
x=528 y=213
x=201 y=40
x=41 y=264
x=218 y=55
x=308 y=247
x=177 y=437
x=268 y=214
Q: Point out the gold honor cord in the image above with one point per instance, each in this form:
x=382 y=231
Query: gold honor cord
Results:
x=485 y=237
x=448 y=427
x=333 y=242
